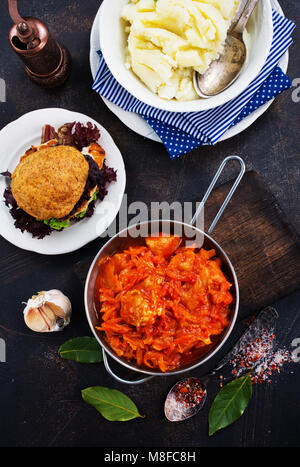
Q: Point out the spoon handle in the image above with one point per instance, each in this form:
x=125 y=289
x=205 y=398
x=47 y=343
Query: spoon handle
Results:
x=239 y=27
x=238 y=14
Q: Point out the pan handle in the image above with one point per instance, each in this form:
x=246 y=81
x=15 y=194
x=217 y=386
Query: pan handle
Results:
x=117 y=378
x=230 y=194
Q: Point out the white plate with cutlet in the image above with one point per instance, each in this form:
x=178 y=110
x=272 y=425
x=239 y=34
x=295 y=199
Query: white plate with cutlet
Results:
x=15 y=140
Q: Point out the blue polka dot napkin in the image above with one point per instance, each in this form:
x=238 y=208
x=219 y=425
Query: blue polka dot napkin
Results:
x=181 y=132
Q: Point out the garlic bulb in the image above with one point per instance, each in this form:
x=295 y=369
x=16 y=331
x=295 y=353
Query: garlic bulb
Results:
x=48 y=311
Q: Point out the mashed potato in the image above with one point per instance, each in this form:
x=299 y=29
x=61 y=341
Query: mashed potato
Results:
x=168 y=39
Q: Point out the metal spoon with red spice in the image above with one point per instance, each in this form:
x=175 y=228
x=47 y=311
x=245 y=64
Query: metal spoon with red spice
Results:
x=187 y=397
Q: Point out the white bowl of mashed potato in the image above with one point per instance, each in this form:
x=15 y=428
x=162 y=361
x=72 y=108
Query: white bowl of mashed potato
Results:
x=152 y=47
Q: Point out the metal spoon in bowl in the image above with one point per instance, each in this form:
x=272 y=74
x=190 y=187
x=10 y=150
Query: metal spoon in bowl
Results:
x=224 y=71
x=187 y=397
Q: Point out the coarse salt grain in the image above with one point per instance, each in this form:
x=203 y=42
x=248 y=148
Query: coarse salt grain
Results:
x=262 y=356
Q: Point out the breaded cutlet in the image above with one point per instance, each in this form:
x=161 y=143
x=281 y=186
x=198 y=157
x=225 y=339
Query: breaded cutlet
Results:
x=48 y=183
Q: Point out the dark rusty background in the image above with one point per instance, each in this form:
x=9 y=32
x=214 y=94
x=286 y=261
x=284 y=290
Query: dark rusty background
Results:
x=40 y=394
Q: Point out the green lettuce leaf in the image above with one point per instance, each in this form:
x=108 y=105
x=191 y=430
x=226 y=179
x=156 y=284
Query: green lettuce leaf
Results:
x=57 y=224
x=95 y=195
x=81 y=214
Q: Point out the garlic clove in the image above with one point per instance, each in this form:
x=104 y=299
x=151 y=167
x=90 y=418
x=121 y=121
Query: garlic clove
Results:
x=57 y=299
x=57 y=310
x=35 y=321
x=48 y=314
x=48 y=311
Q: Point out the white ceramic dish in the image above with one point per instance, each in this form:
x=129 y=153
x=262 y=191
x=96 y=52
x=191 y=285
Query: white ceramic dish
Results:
x=15 y=139
x=137 y=124
x=113 y=42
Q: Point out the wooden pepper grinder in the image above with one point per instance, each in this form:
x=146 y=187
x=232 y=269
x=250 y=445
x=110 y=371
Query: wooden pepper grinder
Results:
x=47 y=62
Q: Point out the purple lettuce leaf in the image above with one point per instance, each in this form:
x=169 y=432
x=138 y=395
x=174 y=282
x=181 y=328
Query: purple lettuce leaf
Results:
x=65 y=134
x=24 y=221
x=72 y=134
x=48 y=133
x=85 y=135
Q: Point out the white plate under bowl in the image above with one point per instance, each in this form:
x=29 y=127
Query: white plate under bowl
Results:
x=113 y=41
x=136 y=123
x=15 y=139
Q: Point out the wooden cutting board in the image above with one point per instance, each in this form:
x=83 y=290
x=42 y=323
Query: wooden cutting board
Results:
x=261 y=244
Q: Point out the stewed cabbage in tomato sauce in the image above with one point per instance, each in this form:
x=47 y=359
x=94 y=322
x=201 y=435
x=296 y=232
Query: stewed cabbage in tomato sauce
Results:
x=162 y=303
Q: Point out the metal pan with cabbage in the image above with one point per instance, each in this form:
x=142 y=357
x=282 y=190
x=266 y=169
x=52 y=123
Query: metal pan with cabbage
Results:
x=157 y=307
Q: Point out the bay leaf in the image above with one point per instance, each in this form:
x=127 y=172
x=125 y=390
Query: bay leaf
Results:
x=230 y=403
x=82 y=350
x=112 y=404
